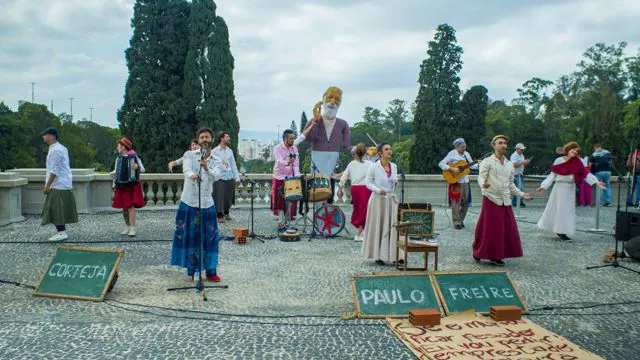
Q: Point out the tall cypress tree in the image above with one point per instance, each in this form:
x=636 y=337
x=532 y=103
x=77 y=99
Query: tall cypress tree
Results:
x=219 y=109
x=436 y=120
x=474 y=111
x=303 y=148
x=197 y=67
x=154 y=112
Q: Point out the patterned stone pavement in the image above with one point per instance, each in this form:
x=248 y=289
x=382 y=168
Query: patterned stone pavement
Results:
x=284 y=299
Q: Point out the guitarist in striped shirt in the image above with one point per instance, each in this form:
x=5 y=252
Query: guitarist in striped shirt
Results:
x=455 y=163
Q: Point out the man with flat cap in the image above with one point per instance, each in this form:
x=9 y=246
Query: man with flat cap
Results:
x=496 y=236
x=60 y=205
x=459 y=192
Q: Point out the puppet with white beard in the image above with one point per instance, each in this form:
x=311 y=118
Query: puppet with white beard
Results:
x=326 y=132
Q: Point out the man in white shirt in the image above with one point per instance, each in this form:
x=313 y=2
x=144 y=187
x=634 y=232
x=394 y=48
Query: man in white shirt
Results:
x=200 y=168
x=496 y=235
x=519 y=162
x=224 y=189
x=458 y=192
x=60 y=205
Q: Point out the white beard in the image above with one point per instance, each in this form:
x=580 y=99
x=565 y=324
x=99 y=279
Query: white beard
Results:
x=329 y=112
x=329 y=118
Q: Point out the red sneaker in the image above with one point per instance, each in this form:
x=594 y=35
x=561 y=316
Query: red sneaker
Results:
x=214 y=278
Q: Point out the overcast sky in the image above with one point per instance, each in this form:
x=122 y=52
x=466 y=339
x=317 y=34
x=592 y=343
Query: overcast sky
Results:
x=288 y=52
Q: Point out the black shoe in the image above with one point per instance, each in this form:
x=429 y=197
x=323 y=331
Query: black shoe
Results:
x=523 y=205
x=563 y=237
x=606 y=205
x=458 y=227
x=401 y=261
x=380 y=262
x=476 y=259
x=497 y=262
x=462 y=224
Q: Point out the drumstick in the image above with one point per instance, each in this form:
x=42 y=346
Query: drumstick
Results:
x=370 y=138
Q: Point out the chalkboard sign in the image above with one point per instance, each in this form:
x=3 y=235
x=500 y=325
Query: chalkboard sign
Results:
x=460 y=291
x=422 y=216
x=80 y=273
x=393 y=295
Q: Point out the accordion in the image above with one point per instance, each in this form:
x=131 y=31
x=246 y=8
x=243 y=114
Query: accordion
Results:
x=125 y=174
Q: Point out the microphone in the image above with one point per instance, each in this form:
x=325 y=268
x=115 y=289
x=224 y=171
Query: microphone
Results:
x=203 y=152
x=401 y=171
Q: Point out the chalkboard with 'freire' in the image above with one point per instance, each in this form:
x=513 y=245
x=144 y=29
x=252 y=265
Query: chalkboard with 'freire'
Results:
x=461 y=291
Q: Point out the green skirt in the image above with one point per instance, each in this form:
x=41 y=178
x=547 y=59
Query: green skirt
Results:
x=59 y=208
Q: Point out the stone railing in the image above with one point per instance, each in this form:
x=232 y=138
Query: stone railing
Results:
x=21 y=191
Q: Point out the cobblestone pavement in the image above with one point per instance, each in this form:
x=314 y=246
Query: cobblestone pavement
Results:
x=304 y=286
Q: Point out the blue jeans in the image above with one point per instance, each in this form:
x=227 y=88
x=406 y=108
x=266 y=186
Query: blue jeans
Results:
x=519 y=181
x=605 y=177
x=634 y=188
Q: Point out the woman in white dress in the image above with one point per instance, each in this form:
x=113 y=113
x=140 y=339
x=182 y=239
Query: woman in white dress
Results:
x=560 y=213
x=380 y=237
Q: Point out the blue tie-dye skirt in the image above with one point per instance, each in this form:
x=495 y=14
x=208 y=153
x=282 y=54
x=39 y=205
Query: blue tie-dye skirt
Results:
x=186 y=239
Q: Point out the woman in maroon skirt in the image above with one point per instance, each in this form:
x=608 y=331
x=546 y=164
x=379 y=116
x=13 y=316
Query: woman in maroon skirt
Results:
x=128 y=197
x=356 y=171
x=497 y=236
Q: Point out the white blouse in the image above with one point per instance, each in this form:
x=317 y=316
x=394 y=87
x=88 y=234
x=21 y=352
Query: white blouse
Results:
x=191 y=167
x=356 y=171
x=553 y=177
x=377 y=179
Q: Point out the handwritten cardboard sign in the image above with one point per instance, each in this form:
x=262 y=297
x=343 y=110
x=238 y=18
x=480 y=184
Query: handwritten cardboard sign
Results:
x=482 y=338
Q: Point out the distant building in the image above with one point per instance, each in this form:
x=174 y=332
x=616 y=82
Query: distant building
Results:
x=252 y=149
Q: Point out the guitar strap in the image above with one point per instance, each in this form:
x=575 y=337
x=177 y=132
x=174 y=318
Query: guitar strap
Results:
x=469 y=183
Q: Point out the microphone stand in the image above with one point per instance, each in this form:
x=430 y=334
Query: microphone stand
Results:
x=252 y=234
x=615 y=263
x=199 y=285
x=402 y=186
x=314 y=171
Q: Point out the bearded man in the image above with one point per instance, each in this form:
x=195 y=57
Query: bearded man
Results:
x=327 y=133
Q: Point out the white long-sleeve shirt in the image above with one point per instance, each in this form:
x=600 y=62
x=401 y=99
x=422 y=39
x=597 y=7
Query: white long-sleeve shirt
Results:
x=500 y=176
x=377 y=178
x=356 y=171
x=58 y=165
x=453 y=157
x=553 y=177
x=229 y=167
x=190 y=166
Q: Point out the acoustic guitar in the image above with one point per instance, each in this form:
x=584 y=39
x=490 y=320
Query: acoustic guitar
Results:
x=461 y=165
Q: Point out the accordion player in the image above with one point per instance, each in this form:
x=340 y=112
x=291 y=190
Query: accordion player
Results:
x=125 y=173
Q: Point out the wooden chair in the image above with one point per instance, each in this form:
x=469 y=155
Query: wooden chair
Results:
x=407 y=246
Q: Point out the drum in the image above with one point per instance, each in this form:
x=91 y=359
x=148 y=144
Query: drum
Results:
x=293 y=188
x=318 y=188
x=125 y=174
x=329 y=220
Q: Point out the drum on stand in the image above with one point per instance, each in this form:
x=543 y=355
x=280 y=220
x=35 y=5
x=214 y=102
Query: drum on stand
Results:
x=329 y=220
x=318 y=188
x=293 y=188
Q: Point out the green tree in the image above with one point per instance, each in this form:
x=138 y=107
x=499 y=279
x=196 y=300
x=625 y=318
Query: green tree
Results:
x=436 y=121
x=372 y=115
x=303 y=121
x=154 y=115
x=219 y=109
x=14 y=141
x=103 y=140
x=304 y=148
x=633 y=68
x=532 y=95
x=395 y=116
x=474 y=111
x=293 y=127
